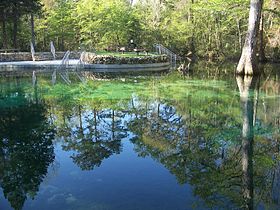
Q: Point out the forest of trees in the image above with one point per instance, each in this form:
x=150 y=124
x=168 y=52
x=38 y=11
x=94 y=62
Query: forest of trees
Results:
x=208 y=28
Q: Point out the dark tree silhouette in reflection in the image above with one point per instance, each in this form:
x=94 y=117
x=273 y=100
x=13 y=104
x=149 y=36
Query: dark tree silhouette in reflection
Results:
x=91 y=154
x=26 y=148
x=97 y=136
x=164 y=138
x=218 y=164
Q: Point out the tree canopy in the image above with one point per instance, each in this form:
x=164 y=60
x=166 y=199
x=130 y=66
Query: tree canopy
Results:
x=213 y=29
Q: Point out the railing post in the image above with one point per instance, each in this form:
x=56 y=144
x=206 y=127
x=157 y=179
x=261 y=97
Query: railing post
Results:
x=173 y=57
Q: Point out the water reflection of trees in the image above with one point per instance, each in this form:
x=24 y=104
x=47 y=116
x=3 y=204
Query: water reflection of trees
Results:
x=211 y=155
x=158 y=126
x=26 y=148
x=165 y=137
x=197 y=137
x=93 y=136
x=246 y=87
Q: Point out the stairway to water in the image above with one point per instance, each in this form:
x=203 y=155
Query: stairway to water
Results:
x=80 y=65
x=174 y=58
x=63 y=70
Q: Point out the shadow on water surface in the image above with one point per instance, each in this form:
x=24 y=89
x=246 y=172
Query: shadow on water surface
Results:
x=220 y=140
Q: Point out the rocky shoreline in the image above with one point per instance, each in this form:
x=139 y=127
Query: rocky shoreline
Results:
x=92 y=58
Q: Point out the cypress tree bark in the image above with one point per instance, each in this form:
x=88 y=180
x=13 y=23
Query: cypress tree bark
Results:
x=248 y=62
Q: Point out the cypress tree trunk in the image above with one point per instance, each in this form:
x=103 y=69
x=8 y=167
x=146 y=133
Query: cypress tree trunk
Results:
x=248 y=62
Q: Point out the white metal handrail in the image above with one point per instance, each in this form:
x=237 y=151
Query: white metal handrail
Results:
x=160 y=49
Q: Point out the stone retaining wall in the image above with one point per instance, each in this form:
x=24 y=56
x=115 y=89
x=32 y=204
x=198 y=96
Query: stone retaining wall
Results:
x=40 y=56
x=92 y=58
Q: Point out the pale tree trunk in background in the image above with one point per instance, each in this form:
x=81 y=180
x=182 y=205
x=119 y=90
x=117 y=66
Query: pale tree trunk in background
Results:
x=15 y=25
x=15 y=30
x=192 y=47
x=4 y=32
x=262 y=57
x=247 y=63
x=156 y=6
x=239 y=34
x=32 y=29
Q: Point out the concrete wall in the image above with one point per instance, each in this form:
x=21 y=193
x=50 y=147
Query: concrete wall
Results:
x=39 y=56
x=118 y=68
x=48 y=66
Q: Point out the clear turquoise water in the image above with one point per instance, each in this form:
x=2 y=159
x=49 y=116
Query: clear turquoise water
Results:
x=163 y=142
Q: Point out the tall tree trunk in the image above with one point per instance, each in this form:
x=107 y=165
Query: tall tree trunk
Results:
x=4 y=31
x=239 y=34
x=44 y=40
x=32 y=29
x=247 y=63
x=15 y=26
x=192 y=42
x=262 y=57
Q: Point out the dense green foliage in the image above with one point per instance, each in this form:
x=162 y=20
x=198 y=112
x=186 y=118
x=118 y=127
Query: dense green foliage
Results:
x=13 y=19
x=209 y=28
